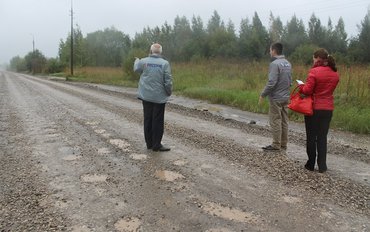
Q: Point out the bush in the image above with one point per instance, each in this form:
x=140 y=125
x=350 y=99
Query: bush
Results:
x=54 y=66
x=303 y=54
x=128 y=63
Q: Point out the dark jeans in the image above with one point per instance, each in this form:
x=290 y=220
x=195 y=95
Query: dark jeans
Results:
x=153 y=124
x=317 y=127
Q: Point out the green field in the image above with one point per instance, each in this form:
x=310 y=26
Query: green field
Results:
x=239 y=84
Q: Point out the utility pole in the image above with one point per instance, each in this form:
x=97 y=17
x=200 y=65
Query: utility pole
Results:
x=33 y=43
x=71 y=38
x=33 y=55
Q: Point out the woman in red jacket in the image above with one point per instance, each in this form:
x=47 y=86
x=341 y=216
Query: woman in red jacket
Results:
x=320 y=83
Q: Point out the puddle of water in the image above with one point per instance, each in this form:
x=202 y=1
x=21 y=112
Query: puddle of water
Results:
x=229 y=214
x=292 y=200
x=71 y=158
x=94 y=178
x=180 y=162
x=122 y=144
x=131 y=224
x=103 y=151
x=138 y=157
x=168 y=175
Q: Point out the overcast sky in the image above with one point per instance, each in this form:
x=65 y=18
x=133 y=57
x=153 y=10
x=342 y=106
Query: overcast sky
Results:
x=48 y=21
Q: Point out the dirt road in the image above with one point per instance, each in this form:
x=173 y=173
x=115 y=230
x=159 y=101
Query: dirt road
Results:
x=72 y=158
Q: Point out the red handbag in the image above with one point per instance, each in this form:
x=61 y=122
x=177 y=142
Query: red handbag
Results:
x=303 y=105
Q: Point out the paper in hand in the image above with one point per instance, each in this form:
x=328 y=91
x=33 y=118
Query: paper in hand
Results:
x=300 y=82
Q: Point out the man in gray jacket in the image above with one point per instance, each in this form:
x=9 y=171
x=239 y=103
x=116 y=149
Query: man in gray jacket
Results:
x=155 y=87
x=277 y=89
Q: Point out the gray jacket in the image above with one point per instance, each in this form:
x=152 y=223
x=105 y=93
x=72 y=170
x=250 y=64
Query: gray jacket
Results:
x=280 y=80
x=155 y=83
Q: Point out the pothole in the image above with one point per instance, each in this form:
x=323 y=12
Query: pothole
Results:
x=230 y=213
x=131 y=224
x=138 y=156
x=94 y=178
x=168 y=175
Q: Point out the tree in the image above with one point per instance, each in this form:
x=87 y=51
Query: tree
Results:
x=294 y=35
x=197 y=47
x=316 y=32
x=360 y=49
x=18 y=64
x=254 y=39
x=182 y=35
x=35 y=62
x=340 y=37
x=107 y=48
x=276 y=29
x=79 y=49
x=245 y=33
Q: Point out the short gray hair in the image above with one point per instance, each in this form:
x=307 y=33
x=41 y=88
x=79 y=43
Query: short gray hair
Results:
x=156 y=48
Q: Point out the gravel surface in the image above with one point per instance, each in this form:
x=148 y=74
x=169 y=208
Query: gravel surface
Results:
x=73 y=159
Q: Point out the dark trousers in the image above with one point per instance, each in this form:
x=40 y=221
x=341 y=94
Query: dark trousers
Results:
x=153 y=124
x=317 y=127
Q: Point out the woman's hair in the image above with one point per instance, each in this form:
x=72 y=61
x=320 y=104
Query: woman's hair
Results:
x=327 y=59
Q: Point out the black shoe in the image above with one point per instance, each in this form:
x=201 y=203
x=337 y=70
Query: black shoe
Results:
x=270 y=148
x=306 y=166
x=322 y=170
x=162 y=148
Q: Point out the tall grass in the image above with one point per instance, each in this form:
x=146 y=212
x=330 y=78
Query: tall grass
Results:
x=102 y=75
x=239 y=84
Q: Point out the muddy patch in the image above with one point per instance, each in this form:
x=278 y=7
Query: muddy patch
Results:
x=94 y=178
x=100 y=131
x=138 y=156
x=131 y=224
x=120 y=143
x=180 y=162
x=92 y=123
x=230 y=213
x=80 y=229
x=71 y=157
x=168 y=175
x=103 y=151
x=291 y=199
x=218 y=230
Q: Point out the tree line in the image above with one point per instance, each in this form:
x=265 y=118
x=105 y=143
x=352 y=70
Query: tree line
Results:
x=192 y=40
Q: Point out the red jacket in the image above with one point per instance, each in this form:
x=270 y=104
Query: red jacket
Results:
x=321 y=83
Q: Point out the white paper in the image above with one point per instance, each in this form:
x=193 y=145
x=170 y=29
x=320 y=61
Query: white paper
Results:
x=300 y=82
